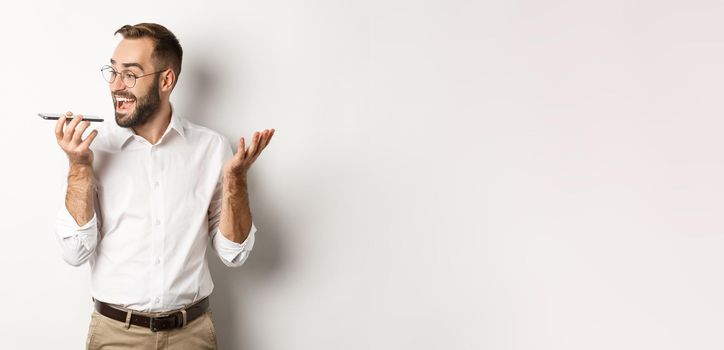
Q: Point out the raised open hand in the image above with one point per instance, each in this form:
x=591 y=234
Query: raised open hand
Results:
x=239 y=165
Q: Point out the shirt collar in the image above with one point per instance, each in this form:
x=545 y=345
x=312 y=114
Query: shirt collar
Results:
x=121 y=135
x=177 y=123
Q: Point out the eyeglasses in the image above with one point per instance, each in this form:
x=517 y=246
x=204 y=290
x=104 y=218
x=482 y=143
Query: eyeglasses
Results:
x=128 y=78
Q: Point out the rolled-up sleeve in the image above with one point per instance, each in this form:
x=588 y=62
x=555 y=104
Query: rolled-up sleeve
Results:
x=233 y=254
x=77 y=243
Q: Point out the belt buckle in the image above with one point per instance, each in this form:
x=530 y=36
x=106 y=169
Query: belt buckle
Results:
x=155 y=325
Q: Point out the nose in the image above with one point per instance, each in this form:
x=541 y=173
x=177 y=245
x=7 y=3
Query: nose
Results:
x=117 y=84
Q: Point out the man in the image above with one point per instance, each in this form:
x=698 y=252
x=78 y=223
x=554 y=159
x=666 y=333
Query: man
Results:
x=144 y=200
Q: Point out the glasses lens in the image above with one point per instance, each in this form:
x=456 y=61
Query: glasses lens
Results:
x=108 y=74
x=129 y=79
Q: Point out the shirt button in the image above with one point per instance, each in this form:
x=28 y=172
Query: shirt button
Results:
x=158 y=222
x=155 y=184
x=158 y=300
x=158 y=261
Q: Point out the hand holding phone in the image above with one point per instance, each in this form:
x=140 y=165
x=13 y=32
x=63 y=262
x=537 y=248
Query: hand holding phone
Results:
x=69 y=138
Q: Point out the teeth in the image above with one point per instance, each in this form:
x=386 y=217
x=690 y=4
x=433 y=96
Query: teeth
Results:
x=123 y=99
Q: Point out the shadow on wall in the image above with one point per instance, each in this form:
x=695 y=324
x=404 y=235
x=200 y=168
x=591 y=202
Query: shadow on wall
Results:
x=233 y=287
x=199 y=81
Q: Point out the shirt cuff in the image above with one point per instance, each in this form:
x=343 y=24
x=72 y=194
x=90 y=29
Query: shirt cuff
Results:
x=231 y=251
x=86 y=234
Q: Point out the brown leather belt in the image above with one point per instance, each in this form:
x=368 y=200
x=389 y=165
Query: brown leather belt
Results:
x=165 y=321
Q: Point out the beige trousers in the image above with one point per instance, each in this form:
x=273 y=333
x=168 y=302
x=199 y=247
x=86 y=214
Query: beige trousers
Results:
x=108 y=334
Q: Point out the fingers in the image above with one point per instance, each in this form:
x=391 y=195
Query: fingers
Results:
x=264 y=139
x=254 y=143
x=269 y=135
x=71 y=127
x=79 y=131
x=59 y=128
x=259 y=141
x=59 y=125
x=88 y=140
x=241 y=152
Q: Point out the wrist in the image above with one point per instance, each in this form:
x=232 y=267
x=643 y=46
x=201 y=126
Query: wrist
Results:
x=80 y=166
x=81 y=173
x=235 y=185
x=235 y=178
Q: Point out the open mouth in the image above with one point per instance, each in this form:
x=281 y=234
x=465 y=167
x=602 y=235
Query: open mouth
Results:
x=124 y=104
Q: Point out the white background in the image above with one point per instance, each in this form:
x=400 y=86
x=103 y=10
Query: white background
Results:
x=444 y=175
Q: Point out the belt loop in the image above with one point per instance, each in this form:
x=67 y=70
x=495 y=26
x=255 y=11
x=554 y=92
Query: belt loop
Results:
x=183 y=312
x=129 y=313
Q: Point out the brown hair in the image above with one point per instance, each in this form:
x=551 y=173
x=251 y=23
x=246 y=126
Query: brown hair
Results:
x=166 y=51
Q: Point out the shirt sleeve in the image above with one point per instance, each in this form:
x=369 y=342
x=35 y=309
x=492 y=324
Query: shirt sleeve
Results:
x=77 y=243
x=232 y=254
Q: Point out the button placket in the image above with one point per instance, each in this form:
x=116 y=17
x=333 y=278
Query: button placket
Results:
x=157 y=236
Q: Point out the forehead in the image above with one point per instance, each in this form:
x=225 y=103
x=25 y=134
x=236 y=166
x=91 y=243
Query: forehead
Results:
x=134 y=51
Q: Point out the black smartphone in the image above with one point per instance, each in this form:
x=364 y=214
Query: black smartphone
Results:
x=53 y=116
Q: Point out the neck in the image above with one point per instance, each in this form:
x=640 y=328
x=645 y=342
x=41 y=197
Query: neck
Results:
x=156 y=125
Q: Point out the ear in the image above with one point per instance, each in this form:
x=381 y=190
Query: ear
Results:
x=168 y=80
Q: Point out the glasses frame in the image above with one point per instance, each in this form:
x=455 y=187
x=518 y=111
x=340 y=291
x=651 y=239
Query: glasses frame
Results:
x=116 y=73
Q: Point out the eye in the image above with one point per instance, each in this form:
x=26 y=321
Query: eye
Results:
x=128 y=75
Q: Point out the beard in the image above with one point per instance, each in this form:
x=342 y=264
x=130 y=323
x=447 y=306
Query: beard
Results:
x=145 y=107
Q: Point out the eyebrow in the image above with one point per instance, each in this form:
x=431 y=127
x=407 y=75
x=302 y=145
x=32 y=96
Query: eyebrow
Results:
x=126 y=65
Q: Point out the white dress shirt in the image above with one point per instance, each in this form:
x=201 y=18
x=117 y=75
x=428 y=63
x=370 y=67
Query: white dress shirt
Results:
x=156 y=209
